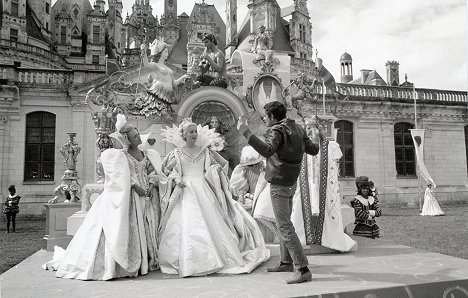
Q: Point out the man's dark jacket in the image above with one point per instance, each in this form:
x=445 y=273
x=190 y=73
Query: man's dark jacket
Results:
x=284 y=146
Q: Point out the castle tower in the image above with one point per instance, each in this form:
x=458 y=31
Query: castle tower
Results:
x=300 y=30
x=115 y=25
x=13 y=22
x=42 y=9
x=346 y=62
x=393 y=73
x=231 y=27
x=96 y=47
x=263 y=13
x=171 y=27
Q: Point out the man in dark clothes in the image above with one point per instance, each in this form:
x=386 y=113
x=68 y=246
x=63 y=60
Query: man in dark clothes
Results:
x=284 y=146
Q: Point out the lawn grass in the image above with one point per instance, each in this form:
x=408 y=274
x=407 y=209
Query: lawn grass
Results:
x=27 y=240
x=447 y=234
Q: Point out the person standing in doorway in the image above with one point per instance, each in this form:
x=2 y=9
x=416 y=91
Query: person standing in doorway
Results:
x=284 y=146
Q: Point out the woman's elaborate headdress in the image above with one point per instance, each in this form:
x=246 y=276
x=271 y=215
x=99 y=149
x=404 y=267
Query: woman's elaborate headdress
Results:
x=157 y=46
x=121 y=128
x=173 y=134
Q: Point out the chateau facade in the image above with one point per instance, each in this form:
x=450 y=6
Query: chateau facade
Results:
x=51 y=56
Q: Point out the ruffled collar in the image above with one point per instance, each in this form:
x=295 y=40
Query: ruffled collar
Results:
x=367 y=202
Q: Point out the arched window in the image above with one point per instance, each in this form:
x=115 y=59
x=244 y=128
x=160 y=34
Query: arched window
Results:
x=345 y=139
x=466 y=145
x=404 y=150
x=39 y=157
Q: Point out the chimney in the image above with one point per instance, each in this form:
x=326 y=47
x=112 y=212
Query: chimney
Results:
x=364 y=75
x=393 y=73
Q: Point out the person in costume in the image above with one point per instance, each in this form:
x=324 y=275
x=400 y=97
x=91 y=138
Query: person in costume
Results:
x=245 y=176
x=431 y=206
x=161 y=83
x=118 y=235
x=366 y=209
x=203 y=230
x=11 y=208
x=316 y=211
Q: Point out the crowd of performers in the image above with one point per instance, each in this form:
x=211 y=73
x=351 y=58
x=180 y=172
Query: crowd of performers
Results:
x=184 y=215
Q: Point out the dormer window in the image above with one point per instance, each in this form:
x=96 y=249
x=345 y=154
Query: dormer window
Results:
x=14 y=8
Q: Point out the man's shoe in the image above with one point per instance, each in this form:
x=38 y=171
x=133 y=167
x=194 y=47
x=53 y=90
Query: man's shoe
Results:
x=298 y=278
x=282 y=268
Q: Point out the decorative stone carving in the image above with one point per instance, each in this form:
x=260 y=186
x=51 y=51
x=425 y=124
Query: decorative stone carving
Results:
x=69 y=188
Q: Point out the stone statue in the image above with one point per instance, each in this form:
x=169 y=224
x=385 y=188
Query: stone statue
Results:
x=160 y=85
x=212 y=65
x=70 y=151
x=69 y=188
x=262 y=46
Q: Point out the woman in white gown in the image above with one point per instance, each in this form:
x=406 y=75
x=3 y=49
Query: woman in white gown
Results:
x=431 y=206
x=203 y=230
x=118 y=235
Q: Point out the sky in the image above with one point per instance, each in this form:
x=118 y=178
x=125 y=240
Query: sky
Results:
x=429 y=38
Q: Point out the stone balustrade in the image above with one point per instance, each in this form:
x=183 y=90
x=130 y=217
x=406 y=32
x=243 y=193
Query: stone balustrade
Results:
x=399 y=93
x=45 y=76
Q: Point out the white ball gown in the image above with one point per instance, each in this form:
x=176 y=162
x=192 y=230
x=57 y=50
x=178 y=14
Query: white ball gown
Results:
x=431 y=206
x=203 y=230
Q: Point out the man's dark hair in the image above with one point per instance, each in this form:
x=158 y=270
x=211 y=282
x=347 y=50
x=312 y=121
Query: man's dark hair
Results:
x=277 y=109
x=210 y=37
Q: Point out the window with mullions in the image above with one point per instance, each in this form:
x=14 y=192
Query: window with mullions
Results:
x=39 y=157
x=404 y=150
x=14 y=8
x=345 y=139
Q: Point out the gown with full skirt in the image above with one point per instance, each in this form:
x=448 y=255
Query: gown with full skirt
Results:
x=431 y=206
x=112 y=241
x=207 y=231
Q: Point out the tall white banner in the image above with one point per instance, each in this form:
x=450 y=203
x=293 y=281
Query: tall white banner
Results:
x=418 y=140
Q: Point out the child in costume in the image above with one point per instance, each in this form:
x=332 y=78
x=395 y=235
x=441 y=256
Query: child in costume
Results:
x=11 y=208
x=366 y=209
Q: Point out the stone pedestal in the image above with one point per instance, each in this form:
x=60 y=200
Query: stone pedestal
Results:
x=56 y=224
x=89 y=193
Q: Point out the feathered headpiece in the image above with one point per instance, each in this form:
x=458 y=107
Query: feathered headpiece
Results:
x=157 y=46
x=173 y=134
x=120 y=127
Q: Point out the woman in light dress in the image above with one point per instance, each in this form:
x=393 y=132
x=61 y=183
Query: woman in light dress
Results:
x=118 y=235
x=431 y=206
x=203 y=230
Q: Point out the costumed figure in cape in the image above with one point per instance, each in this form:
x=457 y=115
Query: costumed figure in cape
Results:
x=118 y=235
x=317 y=203
x=431 y=206
x=203 y=230
x=366 y=209
x=161 y=83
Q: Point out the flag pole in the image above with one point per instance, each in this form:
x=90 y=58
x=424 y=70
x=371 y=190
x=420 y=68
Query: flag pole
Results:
x=418 y=168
